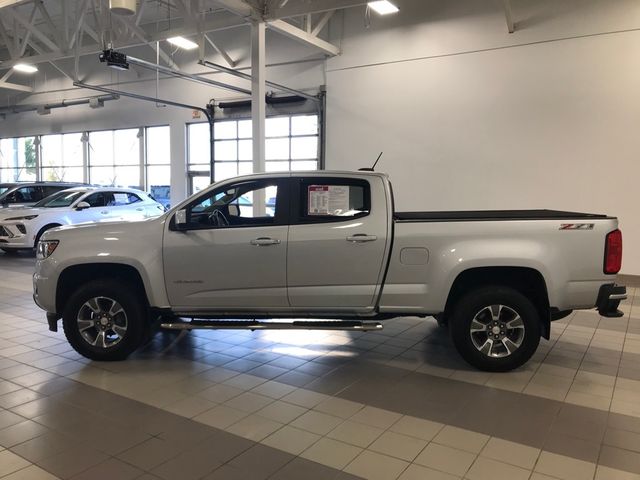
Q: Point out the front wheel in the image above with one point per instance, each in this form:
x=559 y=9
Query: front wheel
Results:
x=495 y=328
x=104 y=320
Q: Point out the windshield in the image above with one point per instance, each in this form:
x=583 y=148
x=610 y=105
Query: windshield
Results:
x=60 y=199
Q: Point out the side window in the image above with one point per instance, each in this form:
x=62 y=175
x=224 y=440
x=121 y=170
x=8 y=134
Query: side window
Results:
x=25 y=194
x=326 y=200
x=242 y=205
x=50 y=190
x=96 y=200
x=110 y=199
x=133 y=198
x=124 y=198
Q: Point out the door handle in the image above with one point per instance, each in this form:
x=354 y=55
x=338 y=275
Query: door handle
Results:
x=361 y=238
x=140 y=209
x=104 y=212
x=265 y=241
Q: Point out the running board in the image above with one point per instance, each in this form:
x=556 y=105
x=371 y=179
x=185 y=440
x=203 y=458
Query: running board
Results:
x=260 y=325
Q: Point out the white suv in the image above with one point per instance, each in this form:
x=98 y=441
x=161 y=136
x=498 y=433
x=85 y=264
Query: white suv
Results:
x=21 y=228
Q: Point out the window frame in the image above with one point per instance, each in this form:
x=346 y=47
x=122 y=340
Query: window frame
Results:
x=300 y=199
x=282 y=213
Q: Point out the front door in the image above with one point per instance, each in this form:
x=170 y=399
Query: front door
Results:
x=337 y=242
x=231 y=253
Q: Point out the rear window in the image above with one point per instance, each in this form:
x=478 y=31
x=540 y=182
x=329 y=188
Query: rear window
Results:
x=124 y=198
x=323 y=199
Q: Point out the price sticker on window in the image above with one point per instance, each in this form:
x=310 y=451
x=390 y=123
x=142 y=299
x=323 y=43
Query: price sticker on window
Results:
x=328 y=200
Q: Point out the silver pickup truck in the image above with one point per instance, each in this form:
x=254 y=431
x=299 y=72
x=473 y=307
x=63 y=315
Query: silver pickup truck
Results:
x=327 y=250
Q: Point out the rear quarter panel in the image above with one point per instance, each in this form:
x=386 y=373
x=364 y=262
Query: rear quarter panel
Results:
x=570 y=261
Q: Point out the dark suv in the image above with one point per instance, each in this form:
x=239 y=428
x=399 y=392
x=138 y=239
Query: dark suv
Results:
x=28 y=193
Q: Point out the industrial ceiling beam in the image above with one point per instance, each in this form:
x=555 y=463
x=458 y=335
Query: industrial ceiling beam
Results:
x=220 y=50
x=300 y=35
x=17 y=17
x=245 y=76
x=15 y=86
x=294 y=9
x=185 y=75
x=221 y=22
x=322 y=22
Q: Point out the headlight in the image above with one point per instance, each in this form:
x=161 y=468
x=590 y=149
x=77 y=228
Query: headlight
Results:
x=28 y=217
x=46 y=248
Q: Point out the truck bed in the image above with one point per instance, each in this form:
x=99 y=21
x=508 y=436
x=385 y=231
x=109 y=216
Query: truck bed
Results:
x=493 y=215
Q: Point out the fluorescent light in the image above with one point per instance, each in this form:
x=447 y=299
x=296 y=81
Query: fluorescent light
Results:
x=182 y=43
x=25 y=68
x=383 y=7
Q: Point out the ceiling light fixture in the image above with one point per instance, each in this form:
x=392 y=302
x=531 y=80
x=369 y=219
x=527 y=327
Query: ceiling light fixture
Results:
x=182 y=43
x=25 y=68
x=383 y=7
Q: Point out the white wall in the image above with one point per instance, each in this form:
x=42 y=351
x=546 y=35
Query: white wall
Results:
x=470 y=119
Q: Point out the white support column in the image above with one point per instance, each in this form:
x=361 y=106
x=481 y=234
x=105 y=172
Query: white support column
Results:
x=178 y=139
x=258 y=105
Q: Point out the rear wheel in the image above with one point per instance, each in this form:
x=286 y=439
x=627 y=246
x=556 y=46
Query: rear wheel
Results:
x=495 y=328
x=105 y=320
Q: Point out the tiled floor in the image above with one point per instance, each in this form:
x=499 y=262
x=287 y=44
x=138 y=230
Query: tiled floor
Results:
x=396 y=404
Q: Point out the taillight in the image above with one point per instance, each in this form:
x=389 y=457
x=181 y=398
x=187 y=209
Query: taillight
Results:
x=613 y=252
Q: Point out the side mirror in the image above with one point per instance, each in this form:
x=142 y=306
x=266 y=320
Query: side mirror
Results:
x=180 y=220
x=82 y=206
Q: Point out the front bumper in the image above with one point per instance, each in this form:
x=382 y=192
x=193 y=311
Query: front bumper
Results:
x=13 y=235
x=609 y=298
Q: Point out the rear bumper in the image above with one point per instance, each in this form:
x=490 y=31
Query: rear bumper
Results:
x=609 y=298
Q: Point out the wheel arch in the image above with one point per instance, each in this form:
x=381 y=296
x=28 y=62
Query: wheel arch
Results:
x=75 y=275
x=528 y=281
x=48 y=226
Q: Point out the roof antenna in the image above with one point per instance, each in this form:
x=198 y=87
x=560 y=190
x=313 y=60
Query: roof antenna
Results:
x=374 y=165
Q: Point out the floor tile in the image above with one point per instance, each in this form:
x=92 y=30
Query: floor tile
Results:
x=332 y=453
x=563 y=467
x=398 y=446
x=110 y=470
x=376 y=417
x=487 y=469
x=416 y=427
x=221 y=416
x=316 y=422
x=291 y=440
x=461 y=439
x=32 y=472
x=418 y=472
x=375 y=466
x=510 y=452
x=254 y=427
x=10 y=462
x=355 y=433
x=445 y=459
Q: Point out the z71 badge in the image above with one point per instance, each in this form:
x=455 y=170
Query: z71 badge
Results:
x=576 y=226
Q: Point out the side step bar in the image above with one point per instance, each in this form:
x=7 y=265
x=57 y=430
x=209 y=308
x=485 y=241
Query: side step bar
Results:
x=267 y=325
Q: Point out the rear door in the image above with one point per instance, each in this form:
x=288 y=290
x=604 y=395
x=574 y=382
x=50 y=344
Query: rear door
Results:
x=126 y=206
x=97 y=211
x=337 y=242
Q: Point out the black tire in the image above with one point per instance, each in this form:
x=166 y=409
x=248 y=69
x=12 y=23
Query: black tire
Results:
x=134 y=319
x=502 y=356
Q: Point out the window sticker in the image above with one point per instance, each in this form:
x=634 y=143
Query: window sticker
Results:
x=328 y=200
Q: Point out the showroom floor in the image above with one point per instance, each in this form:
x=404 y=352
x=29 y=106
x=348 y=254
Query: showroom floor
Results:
x=315 y=405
